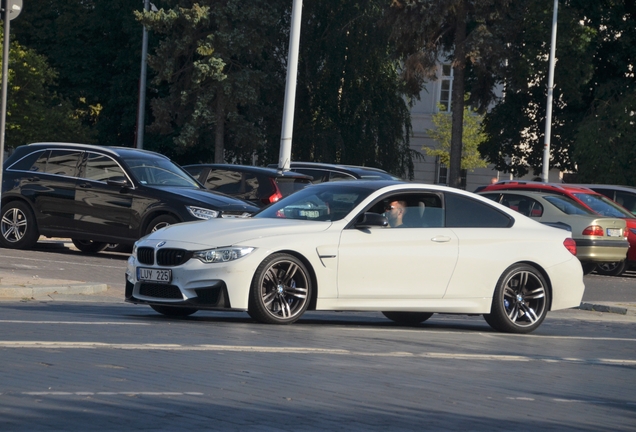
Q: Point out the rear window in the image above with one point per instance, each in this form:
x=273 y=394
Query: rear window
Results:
x=288 y=186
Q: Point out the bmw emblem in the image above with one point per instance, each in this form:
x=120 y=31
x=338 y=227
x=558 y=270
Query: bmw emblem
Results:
x=161 y=244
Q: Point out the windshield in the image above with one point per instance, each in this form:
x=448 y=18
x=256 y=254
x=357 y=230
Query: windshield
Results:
x=323 y=202
x=150 y=171
x=603 y=206
x=567 y=205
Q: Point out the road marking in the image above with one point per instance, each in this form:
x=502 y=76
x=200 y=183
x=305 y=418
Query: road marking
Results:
x=89 y=393
x=75 y=322
x=307 y=350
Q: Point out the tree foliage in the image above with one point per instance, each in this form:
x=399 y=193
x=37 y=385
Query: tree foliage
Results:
x=350 y=104
x=34 y=111
x=592 y=119
x=95 y=46
x=470 y=33
x=473 y=136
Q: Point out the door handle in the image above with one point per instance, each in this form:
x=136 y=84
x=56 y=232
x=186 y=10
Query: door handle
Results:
x=85 y=185
x=441 y=239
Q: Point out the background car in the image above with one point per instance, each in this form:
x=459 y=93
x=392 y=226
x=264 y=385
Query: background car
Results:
x=324 y=172
x=598 y=239
x=329 y=247
x=594 y=201
x=100 y=195
x=259 y=185
x=623 y=195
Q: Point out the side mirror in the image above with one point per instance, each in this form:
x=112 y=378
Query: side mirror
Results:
x=368 y=220
x=119 y=183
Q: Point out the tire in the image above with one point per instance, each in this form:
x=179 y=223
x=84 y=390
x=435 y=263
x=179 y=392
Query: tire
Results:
x=89 y=246
x=611 y=269
x=174 y=311
x=521 y=300
x=18 y=228
x=588 y=267
x=118 y=247
x=159 y=222
x=408 y=318
x=281 y=290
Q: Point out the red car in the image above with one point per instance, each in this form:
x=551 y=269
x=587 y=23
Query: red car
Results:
x=590 y=199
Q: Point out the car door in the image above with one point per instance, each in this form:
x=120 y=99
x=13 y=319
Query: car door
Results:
x=103 y=208
x=413 y=262
x=51 y=187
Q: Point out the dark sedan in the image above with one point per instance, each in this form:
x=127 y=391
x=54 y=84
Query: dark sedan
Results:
x=99 y=195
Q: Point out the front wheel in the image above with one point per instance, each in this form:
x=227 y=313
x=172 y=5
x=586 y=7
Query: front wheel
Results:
x=159 y=222
x=174 y=311
x=408 y=318
x=280 y=291
x=611 y=269
x=89 y=246
x=18 y=227
x=520 y=302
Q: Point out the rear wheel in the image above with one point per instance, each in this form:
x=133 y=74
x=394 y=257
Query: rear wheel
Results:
x=408 y=318
x=18 y=227
x=280 y=291
x=611 y=269
x=521 y=300
x=89 y=246
x=174 y=311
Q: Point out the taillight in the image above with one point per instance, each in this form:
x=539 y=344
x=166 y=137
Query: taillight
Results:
x=570 y=245
x=275 y=197
x=593 y=230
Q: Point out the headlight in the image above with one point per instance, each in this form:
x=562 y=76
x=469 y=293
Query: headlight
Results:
x=134 y=251
x=202 y=213
x=222 y=254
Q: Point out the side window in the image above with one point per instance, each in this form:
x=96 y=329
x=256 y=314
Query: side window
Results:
x=335 y=176
x=411 y=210
x=63 y=162
x=627 y=200
x=224 y=181
x=195 y=172
x=102 y=168
x=250 y=186
x=319 y=176
x=35 y=162
x=465 y=212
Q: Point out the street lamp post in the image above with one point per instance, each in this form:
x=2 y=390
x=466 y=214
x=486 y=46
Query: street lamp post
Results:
x=548 y=115
x=141 y=107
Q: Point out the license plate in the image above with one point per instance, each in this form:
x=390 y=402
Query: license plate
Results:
x=154 y=275
x=613 y=232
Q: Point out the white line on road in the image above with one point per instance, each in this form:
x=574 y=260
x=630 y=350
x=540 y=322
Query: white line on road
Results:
x=75 y=322
x=64 y=262
x=305 y=350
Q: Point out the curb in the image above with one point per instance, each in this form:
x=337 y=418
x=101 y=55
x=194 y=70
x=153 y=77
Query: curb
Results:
x=36 y=291
x=605 y=308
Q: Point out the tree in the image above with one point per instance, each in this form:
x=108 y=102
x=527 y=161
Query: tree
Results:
x=95 y=46
x=34 y=111
x=212 y=63
x=351 y=106
x=473 y=136
x=468 y=32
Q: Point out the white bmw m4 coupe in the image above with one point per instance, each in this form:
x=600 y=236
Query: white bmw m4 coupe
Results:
x=407 y=250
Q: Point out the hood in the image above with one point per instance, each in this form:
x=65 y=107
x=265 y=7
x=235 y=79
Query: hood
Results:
x=208 y=198
x=226 y=232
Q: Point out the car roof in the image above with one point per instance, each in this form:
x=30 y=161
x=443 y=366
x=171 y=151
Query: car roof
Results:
x=522 y=192
x=271 y=172
x=119 y=151
x=356 y=170
x=623 y=188
x=521 y=185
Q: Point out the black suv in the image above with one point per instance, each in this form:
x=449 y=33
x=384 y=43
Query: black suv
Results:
x=99 y=195
x=323 y=172
x=258 y=185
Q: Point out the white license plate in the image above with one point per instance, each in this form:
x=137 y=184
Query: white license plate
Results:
x=154 y=275
x=613 y=232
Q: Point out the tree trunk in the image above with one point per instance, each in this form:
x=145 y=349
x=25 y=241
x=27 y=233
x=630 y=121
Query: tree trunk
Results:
x=219 y=145
x=457 y=98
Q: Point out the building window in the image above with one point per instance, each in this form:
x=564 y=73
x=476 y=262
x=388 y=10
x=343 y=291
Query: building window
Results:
x=446 y=87
x=442 y=175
